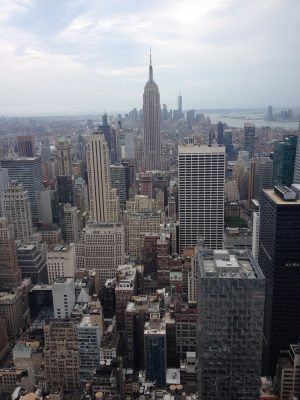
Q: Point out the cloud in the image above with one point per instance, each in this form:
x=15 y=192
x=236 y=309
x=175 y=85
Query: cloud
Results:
x=221 y=53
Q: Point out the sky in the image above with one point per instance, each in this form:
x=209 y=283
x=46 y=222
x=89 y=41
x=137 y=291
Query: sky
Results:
x=73 y=56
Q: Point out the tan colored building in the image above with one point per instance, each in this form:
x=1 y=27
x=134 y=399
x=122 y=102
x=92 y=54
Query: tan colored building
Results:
x=10 y=273
x=14 y=308
x=61 y=354
x=64 y=157
x=138 y=225
x=16 y=208
x=104 y=202
x=61 y=262
x=101 y=248
x=51 y=234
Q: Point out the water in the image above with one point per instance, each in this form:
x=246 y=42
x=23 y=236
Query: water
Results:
x=237 y=118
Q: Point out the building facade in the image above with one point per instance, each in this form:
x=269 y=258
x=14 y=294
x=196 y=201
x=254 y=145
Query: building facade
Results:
x=230 y=325
x=10 y=273
x=28 y=171
x=16 y=208
x=201 y=173
x=151 y=113
x=61 y=354
x=104 y=203
x=101 y=247
x=278 y=257
x=284 y=160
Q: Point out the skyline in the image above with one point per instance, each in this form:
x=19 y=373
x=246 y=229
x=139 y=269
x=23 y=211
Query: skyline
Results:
x=76 y=57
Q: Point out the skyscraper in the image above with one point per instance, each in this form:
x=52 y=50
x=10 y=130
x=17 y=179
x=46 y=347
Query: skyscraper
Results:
x=284 y=160
x=179 y=105
x=279 y=259
x=25 y=146
x=249 y=138
x=104 y=202
x=230 y=325
x=16 y=208
x=297 y=164
x=26 y=170
x=10 y=273
x=151 y=111
x=201 y=172
x=64 y=158
x=220 y=133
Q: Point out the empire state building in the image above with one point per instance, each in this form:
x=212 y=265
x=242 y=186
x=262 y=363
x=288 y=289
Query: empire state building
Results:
x=151 y=111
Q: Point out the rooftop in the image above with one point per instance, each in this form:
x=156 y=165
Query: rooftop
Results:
x=225 y=264
x=279 y=200
x=200 y=148
x=155 y=327
x=59 y=248
x=62 y=280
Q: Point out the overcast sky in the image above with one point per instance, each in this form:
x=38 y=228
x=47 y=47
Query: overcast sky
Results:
x=65 y=56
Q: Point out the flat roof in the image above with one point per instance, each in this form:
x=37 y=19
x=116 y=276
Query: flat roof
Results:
x=200 y=148
x=280 y=201
x=229 y=265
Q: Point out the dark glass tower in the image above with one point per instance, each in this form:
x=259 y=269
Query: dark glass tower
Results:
x=279 y=259
x=284 y=160
x=249 y=138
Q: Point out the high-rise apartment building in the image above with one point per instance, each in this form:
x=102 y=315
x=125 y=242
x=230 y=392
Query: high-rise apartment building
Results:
x=10 y=274
x=64 y=156
x=61 y=354
x=151 y=112
x=201 y=172
x=230 y=326
x=25 y=146
x=249 y=138
x=16 y=208
x=28 y=171
x=61 y=262
x=284 y=160
x=104 y=203
x=279 y=255
x=101 y=247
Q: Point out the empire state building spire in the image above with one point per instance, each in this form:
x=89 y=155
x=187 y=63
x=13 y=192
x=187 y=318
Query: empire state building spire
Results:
x=151 y=111
x=150 y=69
